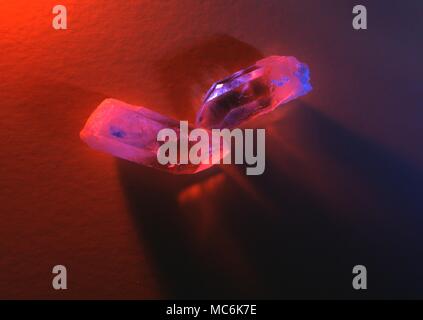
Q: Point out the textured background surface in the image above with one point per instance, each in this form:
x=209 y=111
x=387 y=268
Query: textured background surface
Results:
x=344 y=166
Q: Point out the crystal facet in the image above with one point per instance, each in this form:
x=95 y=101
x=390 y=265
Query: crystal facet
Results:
x=130 y=132
x=253 y=91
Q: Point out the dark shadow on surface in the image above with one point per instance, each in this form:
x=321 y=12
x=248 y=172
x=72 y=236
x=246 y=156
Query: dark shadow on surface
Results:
x=337 y=200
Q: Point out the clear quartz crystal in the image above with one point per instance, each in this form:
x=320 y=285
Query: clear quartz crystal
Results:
x=253 y=91
x=130 y=132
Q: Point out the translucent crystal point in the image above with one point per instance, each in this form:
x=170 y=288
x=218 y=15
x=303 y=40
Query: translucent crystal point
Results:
x=253 y=91
x=130 y=132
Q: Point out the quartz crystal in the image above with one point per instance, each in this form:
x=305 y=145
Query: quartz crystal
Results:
x=253 y=91
x=130 y=132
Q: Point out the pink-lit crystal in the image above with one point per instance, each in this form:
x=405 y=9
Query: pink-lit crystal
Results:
x=253 y=91
x=130 y=132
